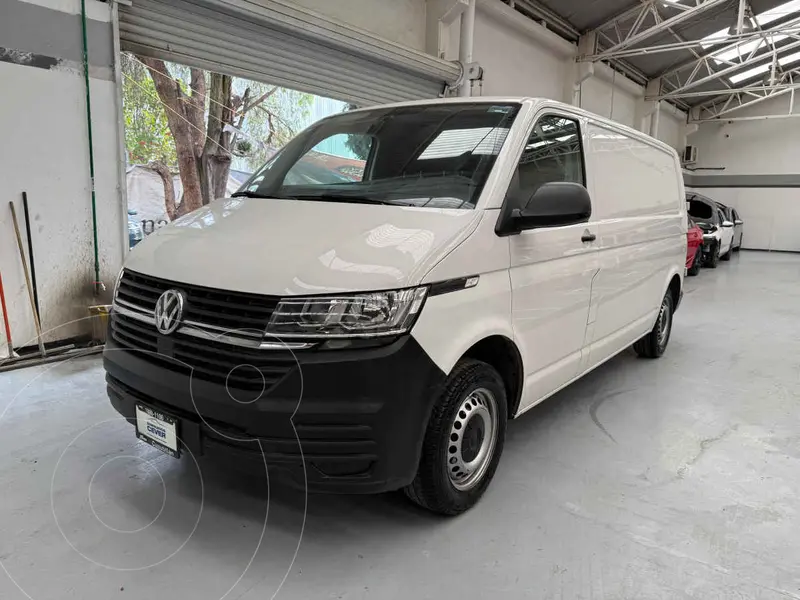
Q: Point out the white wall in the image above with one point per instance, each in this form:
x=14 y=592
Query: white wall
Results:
x=755 y=152
x=672 y=127
x=401 y=21
x=612 y=100
x=45 y=152
x=752 y=147
x=515 y=64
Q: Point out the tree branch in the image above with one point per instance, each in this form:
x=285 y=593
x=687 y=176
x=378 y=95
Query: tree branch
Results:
x=260 y=100
x=245 y=99
x=169 y=190
x=195 y=107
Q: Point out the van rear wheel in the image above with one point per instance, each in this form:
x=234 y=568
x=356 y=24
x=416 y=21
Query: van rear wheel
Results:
x=464 y=440
x=655 y=343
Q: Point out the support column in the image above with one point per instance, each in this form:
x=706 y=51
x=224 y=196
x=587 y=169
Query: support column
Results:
x=649 y=108
x=465 y=46
x=587 y=45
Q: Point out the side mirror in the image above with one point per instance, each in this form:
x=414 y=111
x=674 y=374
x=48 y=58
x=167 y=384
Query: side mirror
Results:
x=727 y=224
x=553 y=204
x=738 y=222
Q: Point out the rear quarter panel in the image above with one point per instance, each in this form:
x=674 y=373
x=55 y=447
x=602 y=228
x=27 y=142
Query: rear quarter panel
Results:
x=639 y=204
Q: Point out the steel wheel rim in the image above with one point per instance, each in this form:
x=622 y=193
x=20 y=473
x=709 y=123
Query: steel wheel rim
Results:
x=663 y=324
x=475 y=423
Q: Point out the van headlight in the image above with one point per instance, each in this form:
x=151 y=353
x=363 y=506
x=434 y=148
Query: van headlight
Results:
x=348 y=315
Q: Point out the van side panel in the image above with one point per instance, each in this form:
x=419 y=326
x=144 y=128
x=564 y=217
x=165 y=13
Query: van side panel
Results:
x=640 y=210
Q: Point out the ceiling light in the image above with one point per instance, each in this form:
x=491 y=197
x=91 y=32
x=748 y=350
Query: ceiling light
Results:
x=773 y=14
x=750 y=73
x=747 y=26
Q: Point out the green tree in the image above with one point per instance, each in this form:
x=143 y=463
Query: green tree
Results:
x=194 y=121
x=147 y=134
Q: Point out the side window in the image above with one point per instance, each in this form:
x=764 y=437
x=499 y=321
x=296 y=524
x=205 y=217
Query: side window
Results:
x=553 y=153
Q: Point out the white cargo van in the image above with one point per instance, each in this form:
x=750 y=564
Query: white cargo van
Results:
x=372 y=307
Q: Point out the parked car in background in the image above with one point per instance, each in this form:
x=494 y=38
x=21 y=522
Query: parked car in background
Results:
x=738 y=225
x=694 y=240
x=135 y=231
x=717 y=230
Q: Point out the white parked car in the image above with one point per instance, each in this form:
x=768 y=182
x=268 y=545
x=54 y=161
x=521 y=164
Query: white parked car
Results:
x=378 y=333
x=718 y=231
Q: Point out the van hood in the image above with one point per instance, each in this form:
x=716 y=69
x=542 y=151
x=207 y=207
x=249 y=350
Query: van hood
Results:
x=293 y=247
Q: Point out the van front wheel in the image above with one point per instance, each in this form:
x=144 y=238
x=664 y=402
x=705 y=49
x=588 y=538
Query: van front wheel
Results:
x=464 y=440
x=655 y=343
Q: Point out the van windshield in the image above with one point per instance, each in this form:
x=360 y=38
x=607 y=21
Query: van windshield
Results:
x=434 y=155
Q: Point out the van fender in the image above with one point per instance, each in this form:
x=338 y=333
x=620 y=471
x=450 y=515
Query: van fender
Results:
x=450 y=324
x=671 y=274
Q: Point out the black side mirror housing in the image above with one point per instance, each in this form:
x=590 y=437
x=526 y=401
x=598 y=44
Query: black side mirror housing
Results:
x=554 y=204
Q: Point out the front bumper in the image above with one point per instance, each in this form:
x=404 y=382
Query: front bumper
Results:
x=349 y=421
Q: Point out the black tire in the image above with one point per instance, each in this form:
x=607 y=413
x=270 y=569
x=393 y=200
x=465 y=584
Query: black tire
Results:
x=695 y=268
x=713 y=260
x=727 y=255
x=655 y=343
x=433 y=487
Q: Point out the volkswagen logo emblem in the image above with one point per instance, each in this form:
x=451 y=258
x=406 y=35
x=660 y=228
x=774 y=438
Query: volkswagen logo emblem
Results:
x=168 y=311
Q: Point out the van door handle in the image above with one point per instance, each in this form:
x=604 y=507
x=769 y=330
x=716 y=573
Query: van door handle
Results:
x=588 y=236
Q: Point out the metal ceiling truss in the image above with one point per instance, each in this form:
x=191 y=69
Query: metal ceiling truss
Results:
x=625 y=35
x=709 y=67
x=642 y=22
x=533 y=9
x=745 y=97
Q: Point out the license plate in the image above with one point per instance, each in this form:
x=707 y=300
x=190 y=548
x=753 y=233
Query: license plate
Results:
x=157 y=429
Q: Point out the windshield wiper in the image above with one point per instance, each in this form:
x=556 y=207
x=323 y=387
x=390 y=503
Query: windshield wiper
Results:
x=346 y=198
x=249 y=194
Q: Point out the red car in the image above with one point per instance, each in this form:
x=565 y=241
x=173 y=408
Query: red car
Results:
x=694 y=239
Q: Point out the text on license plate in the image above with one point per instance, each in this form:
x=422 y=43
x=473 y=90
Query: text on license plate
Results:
x=157 y=429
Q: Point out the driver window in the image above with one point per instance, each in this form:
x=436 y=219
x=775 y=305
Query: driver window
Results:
x=553 y=153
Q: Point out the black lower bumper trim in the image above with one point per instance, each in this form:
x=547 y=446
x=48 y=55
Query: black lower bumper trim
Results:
x=339 y=421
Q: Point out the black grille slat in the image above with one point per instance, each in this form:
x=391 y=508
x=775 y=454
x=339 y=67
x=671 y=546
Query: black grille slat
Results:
x=142 y=282
x=136 y=298
x=194 y=313
x=202 y=347
x=133 y=341
x=265 y=368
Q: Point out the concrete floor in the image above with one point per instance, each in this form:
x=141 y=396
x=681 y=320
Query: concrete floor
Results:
x=677 y=478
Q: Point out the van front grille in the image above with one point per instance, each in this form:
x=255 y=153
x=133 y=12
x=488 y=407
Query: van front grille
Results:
x=234 y=366
x=205 y=306
x=232 y=322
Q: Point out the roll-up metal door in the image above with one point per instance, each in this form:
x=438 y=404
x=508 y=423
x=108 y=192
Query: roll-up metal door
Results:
x=285 y=45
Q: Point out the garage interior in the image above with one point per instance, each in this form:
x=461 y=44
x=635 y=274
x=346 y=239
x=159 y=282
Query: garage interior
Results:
x=674 y=478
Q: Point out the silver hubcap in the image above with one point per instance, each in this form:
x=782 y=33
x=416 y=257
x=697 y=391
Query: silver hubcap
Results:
x=473 y=435
x=664 y=318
